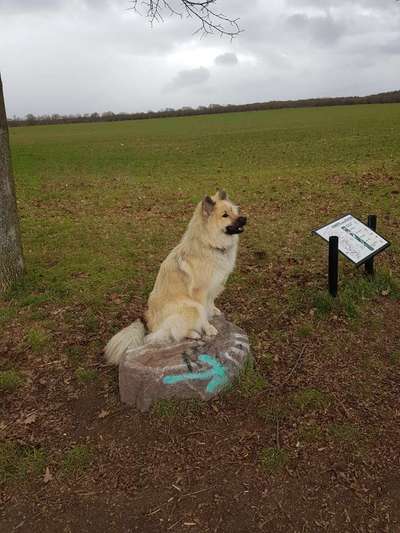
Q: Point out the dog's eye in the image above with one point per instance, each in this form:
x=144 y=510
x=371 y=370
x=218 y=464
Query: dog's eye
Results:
x=225 y=215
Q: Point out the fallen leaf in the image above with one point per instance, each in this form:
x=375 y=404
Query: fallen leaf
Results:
x=47 y=475
x=103 y=413
x=30 y=418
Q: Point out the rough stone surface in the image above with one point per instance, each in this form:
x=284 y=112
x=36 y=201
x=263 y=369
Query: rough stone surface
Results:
x=189 y=369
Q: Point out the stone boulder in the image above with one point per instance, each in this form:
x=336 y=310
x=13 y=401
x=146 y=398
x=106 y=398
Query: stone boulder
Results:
x=189 y=369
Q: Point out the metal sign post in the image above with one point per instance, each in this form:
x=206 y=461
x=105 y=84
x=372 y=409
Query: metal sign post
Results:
x=333 y=265
x=369 y=264
x=357 y=241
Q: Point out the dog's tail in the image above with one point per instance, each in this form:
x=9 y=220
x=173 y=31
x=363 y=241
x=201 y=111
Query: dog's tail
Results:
x=129 y=337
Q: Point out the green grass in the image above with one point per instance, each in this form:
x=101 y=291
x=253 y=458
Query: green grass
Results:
x=361 y=289
x=273 y=459
x=310 y=433
x=75 y=355
x=86 y=375
x=96 y=199
x=18 y=462
x=323 y=303
x=192 y=407
x=394 y=358
x=267 y=359
x=171 y=408
x=310 y=400
x=305 y=400
x=346 y=433
x=77 y=459
x=10 y=380
x=270 y=413
x=305 y=330
x=166 y=408
x=37 y=339
x=250 y=380
x=353 y=293
x=7 y=314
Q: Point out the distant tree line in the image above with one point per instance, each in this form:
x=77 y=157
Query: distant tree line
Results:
x=109 y=116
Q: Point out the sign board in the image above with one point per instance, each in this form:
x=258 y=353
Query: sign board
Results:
x=357 y=241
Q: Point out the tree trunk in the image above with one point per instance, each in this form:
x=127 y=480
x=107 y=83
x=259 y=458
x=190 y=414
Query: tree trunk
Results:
x=11 y=259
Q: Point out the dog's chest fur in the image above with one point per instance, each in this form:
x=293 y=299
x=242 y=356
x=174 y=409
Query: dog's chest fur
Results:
x=223 y=262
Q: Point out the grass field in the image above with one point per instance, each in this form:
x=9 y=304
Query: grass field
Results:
x=101 y=205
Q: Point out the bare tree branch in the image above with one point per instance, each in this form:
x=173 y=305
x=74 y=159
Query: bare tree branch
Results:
x=211 y=21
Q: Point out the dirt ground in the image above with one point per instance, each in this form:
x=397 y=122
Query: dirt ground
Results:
x=309 y=442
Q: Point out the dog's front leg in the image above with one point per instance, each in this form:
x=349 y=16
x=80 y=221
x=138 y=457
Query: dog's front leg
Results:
x=213 y=311
x=208 y=328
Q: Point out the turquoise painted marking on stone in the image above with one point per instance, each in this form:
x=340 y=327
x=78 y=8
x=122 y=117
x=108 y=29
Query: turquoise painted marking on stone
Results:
x=216 y=375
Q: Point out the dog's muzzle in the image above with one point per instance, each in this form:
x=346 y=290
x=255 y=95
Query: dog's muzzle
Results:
x=237 y=226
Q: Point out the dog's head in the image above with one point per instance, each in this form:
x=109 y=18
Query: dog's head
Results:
x=221 y=215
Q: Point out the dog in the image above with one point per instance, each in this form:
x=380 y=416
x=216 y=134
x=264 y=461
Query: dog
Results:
x=193 y=275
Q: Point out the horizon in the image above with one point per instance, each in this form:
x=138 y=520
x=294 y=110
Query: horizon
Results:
x=208 y=106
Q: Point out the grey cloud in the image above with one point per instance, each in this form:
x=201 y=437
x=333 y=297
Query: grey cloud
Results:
x=324 y=29
x=229 y=58
x=26 y=6
x=188 y=78
x=380 y=5
x=391 y=47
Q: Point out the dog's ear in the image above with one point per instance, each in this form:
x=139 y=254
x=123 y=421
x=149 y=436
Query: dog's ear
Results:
x=208 y=205
x=222 y=195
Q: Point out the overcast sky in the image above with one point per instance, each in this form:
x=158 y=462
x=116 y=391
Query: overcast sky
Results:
x=81 y=56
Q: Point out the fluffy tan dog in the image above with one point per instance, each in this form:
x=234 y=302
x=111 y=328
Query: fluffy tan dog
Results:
x=190 y=279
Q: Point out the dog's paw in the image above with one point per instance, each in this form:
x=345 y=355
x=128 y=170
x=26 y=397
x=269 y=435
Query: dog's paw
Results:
x=149 y=339
x=193 y=334
x=155 y=338
x=215 y=311
x=210 y=330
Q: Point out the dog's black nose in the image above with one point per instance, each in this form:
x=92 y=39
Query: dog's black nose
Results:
x=241 y=221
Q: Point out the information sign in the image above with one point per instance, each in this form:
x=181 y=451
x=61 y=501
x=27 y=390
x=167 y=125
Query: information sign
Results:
x=357 y=241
